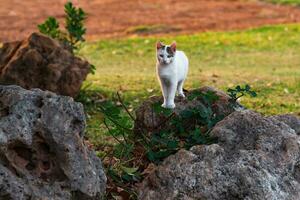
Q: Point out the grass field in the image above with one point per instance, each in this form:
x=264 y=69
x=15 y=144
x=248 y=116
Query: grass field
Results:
x=267 y=58
x=290 y=2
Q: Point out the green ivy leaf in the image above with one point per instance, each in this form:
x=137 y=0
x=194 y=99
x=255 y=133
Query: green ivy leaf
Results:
x=187 y=114
x=92 y=69
x=113 y=174
x=130 y=170
x=157 y=108
x=123 y=150
x=253 y=94
x=247 y=87
x=194 y=95
x=172 y=145
x=210 y=97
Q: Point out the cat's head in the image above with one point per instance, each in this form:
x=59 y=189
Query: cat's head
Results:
x=165 y=53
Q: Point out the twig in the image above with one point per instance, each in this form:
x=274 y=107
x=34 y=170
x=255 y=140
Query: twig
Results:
x=139 y=128
x=165 y=121
x=239 y=96
x=147 y=140
x=152 y=114
x=122 y=103
x=112 y=134
x=112 y=120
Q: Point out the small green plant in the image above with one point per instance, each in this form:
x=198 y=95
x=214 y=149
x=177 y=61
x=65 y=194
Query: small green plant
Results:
x=122 y=170
x=75 y=29
x=239 y=92
x=134 y=152
x=50 y=27
x=92 y=69
x=191 y=127
x=74 y=24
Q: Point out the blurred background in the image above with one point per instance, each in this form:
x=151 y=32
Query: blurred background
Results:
x=117 y=18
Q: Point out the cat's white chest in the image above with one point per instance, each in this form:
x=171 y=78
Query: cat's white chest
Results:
x=166 y=71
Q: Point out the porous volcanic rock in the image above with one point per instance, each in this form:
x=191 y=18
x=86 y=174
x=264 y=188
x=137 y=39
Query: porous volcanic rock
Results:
x=256 y=158
x=42 y=150
x=148 y=120
x=291 y=120
x=41 y=62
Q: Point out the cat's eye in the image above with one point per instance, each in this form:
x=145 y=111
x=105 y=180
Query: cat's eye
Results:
x=169 y=56
x=161 y=56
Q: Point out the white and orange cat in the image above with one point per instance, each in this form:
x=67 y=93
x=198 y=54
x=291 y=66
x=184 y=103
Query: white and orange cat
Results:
x=172 y=69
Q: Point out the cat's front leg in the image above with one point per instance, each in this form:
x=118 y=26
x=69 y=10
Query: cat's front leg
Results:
x=180 y=88
x=171 y=95
x=164 y=91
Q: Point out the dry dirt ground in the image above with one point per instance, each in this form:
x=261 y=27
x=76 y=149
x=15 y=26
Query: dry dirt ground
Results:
x=115 y=18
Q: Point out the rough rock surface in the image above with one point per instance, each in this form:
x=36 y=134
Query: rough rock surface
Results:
x=255 y=158
x=42 y=151
x=290 y=120
x=147 y=119
x=41 y=62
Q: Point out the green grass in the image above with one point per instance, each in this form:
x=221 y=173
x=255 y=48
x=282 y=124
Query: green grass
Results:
x=289 y=2
x=267 y=58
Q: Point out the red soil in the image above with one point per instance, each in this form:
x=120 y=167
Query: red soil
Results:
x=111 y=18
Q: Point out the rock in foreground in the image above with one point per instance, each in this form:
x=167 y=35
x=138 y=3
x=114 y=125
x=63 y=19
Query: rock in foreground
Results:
x=42 y=151
x=148 y=120
x=41 y=62
x=255 y=158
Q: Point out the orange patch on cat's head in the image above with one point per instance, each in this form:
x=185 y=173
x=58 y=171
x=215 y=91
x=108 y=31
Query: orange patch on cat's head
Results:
x=173 y=46
x=159 y=45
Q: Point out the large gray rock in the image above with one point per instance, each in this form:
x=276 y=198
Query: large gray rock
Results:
x=290 y=120
x=42 y=151
x=256 y=158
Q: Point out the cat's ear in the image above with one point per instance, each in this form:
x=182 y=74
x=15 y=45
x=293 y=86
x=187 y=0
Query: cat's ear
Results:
x=159 y=45
x=173 y=46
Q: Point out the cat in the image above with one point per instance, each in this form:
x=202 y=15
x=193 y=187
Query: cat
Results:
x=172 y=69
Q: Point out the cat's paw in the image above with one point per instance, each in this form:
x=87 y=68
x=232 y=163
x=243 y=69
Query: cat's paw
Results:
x=163 y=105
x=171 y=106
x=181 y=95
